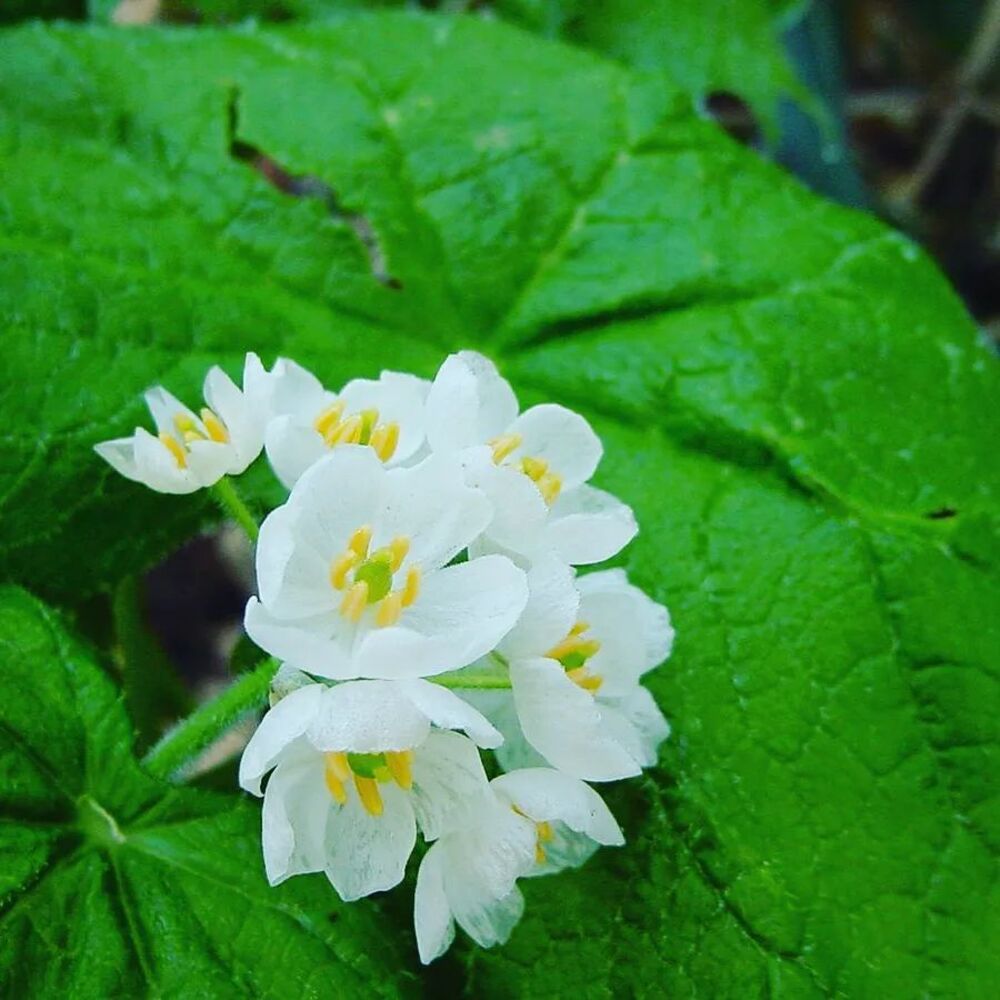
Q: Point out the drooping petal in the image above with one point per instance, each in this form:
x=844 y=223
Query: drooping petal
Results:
x=366 y=853
x=367 y=717
x=279 y=728
x=292 y=447
x=431 y=505
x=296 y=808
x=469 y=402
x=399 y=398
x=637 y=723
x=561 y=438
x=563 y=723
x=550 y=613
x=486 y=920
x=462 y=613
x=587 y=525
x=119 y=453
x=244 y=426
x=448 y=782
x=564 y=848
x=319 y=645
x=635 y=632
x=447 y=710
x=545 y=794
x=432 y=920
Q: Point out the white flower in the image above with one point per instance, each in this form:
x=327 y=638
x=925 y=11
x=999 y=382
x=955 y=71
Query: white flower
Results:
x=575 y=661
x=189 y=450
x=534 y=467
x=353 y=572
x=356 y=767
x=305 y=420
x=537 y=822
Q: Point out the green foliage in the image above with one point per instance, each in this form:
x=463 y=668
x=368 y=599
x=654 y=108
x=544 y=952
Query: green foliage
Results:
x=789 y=395
x=114 y=885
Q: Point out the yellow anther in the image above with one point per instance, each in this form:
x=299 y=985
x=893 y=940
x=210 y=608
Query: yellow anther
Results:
x=334 y=777
x=336 y=760
x=534 y=468
x=411 y=589
x=539 y=854
x=545 y=831
x=398 y=549
x=574 y=644
x=369 y=794
x=504 y=445
x=341 y=566
x=583 y=678
x=385 y=439
x=400 y=764
x=183 y=422
x=327 y=421
x=349 y=432
x=360 y=541
x=190 y=436
x=550 y=486
x=389 y=609
x=579 y=628
x=175 y=448
x=352 y=607
x=215 y=427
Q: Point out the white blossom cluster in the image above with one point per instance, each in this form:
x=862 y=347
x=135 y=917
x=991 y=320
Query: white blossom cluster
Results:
x=419 y=587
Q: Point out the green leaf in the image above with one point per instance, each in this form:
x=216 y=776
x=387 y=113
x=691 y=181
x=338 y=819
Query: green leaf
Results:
x=789 y=394
x=114 y=885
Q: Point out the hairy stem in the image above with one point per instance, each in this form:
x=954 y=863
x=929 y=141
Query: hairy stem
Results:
x=208 y=722
x=229 y=500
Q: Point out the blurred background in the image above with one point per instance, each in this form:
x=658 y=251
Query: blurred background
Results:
x=891 y=106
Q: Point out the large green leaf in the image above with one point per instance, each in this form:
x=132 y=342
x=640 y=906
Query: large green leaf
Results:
x=112 y=885
x=790 y=396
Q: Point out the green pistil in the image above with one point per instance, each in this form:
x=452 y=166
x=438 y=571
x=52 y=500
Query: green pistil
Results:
x=377 y=573
x=369 y=765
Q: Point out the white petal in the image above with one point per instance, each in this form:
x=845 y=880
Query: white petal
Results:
x=499 y=708
x=279 y=728
x=562 y=438
x=637 y=723
x=312 y=644
x=292 y=447
x=296 y=808
x=587 y=525
x=209 y=461
x=245 y=426
x=366 y=853
x=399 y=398
x=448 y=782
x=285 y=681
x=462 y=613
x=469 y=403
x=119 y=453
x=563 y=723
x=550 y=613
x=486 y=920
x=634 y=631
x=432 y=921
x=157 y=468
x=367 y=717
x=564 y=849
x=165 y=407
x=545 y=795
x=432 y=506
x=447 y=710
x=520 y=514
x=292 y=389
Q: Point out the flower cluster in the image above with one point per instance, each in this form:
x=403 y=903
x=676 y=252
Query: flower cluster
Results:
x=419 y=587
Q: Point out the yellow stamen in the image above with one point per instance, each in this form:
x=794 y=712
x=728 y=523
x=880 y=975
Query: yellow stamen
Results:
x=335 y=778
x=175 y=448
x=385 y=440
x=539 y=854
x=369 y=794
x=574 y=644
x=411 y=588
x=398 y=549
x=349 y=432
x=352 y=607
x=360 y=541
x=504 y=445
x=336 y=760
x=545 y=831
x=184 y=423
x=389 y=609
x=550 y=486
x=215 y=427
x=327 y=421
x=340 y=567
x=400 y=764
x=579 y=628
x=583 y=678
x=534 y=468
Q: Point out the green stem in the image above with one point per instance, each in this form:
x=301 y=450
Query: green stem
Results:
x=229 y=500
x=495 y=679
x=209 y=721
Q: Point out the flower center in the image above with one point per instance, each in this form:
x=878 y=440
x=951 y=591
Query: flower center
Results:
x=366 y=578
x=357 y=428
x=537 y=470
x=209 y=428
x=367 y=771
x=574 y=652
